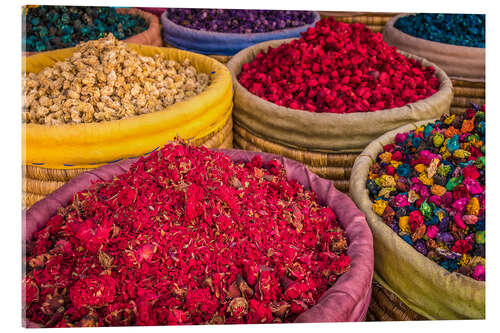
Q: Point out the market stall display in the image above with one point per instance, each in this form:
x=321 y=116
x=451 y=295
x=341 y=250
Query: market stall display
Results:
x=84 y=122
x=454 y=42
x=321 y=73
x=320 y=268
x=137 y=212
x=49 y=28
x=422 y=188
x=224 y=32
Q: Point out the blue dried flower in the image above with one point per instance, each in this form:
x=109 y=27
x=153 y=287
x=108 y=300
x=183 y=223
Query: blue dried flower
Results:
x=455 y=29
x=54 y=27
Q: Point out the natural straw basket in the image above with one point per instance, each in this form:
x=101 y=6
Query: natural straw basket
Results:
x=327 y=144
x=466 y=92
x=405 y=276
x=385 y=306
x=52 y=155
x=374 y=21
x=464 y=65
x=39 y=182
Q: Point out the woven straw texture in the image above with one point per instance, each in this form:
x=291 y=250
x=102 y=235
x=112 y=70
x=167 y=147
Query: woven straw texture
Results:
x=421 y=284
x=374 y=21
x=333 y=166
x=385 y=306
x=466 y=92
x=39 y=182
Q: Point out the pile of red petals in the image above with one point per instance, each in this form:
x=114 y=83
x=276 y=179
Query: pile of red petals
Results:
x=338 y=68
x=185 y=237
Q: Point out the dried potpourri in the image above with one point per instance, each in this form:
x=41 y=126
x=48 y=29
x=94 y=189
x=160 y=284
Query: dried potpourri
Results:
x=338 y=68
x=56 y=27
x=429 y=187
x=106 y=80
x=185 y=237
x=239 y=20
x=455 y=29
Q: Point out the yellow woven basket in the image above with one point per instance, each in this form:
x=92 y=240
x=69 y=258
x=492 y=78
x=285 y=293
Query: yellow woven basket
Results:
x=54 y=154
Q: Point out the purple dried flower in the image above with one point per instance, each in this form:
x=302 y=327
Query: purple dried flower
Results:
x=239 y=20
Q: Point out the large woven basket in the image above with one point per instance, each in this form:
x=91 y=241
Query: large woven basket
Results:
x=345 y=301
x=327 y=144
x=385 y=306
x=221 y=45
x=38 y=182
x=373 y=20
x=464 y=65
x=52 y=155
x=151 y=36
x=409 y=286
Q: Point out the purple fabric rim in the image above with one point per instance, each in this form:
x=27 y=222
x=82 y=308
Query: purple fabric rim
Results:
x=347 y=300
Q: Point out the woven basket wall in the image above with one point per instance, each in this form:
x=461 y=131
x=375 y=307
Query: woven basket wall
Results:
x=39 y=182
x=385 y=306
x=466 y=92
x=333 y=166
x=374 y=21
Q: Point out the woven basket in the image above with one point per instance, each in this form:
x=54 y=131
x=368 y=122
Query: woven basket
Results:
x=150 y=36
x=333 y=166
x=52 y=155
x=222 y=43
x=373 y=21
x=405 y=279
x=464 y=65
x=39 y=182
x=327 y=144
x=385 y=306
x=466 y=92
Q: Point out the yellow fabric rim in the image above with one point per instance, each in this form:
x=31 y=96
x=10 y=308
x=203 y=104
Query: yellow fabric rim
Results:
x=71 y=146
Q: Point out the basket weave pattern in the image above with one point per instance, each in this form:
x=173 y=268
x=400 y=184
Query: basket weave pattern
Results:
x=385 y=306
x=333 y=166
x=466 y=92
